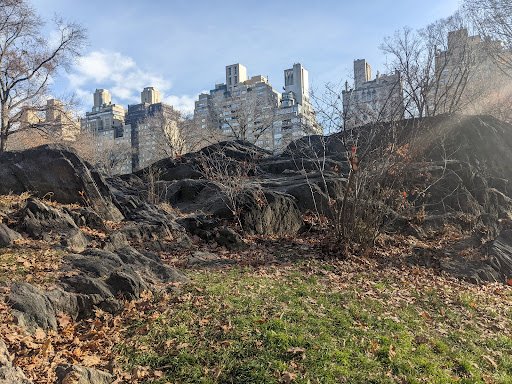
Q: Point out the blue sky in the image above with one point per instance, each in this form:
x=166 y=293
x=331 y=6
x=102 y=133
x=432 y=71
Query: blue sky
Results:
x=182 y=47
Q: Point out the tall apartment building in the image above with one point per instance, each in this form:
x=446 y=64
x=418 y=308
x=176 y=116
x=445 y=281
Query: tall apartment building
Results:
x=153 y=125
x=250 y=109
x=468 y=77
x=60 y=122
x=296 y=117
x=50 y=123
x=126 y=141
x=110 y=138
x=380 y=99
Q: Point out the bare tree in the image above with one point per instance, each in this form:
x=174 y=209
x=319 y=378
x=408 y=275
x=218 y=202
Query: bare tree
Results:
x=166 y=132
x=247 y=114
x=111 y=156
x=28 y=61
x=435 y=68
x=492 y=19
x=249 y=119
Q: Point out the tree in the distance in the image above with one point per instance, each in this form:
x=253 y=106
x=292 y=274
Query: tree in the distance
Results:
x=492 y=19
x=29 y=62
x=431 y=86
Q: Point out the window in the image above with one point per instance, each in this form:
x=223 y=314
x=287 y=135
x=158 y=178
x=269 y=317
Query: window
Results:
x=229 y=71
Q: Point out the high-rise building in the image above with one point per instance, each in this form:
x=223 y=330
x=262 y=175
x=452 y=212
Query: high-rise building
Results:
x=377 y=100
x=468 y=77
x=102 y=99
x=235 y=74
x=296 y=116
x=362 y=73
x=153 y=127
x=130 y=140
x=109 y=137
x=150 y=95
x=250 y=109
x=60 y=122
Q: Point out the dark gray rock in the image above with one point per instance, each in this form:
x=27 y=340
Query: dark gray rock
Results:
x=7 y=235
x=76 y=241
x=31 y=308
x=99 y=279
x=150 y=267
x=64 y=302
x=500 y=254
x=269 y=213
x=474 y=271
x=77 y=374
x=230 y=239
x=89 y=218
x=10 y=374
x=42 y=221
x=56 y=171
x=496 y=267
x=115 y=241
x=201 y=225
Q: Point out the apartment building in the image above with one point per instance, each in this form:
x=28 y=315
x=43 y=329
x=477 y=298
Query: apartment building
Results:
x=128 y=140
x=153 y=129
x=295 y=115
x=44 y=124
x=250 y=109
x=469 y=79
x=377 y=100
x=60 y=121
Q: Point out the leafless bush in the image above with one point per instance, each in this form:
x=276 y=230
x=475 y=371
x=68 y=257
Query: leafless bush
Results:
x=230 y=176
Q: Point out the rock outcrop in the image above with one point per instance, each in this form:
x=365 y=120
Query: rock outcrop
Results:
x=67 y=373
x=96 y=278
x=57 y=172
x=7 y=235
x=8 y=373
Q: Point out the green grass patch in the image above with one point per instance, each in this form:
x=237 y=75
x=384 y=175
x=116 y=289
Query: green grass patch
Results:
x=245 y=326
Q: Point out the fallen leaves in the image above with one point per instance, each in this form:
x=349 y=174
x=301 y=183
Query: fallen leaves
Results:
x=287 y=377
x=491 y=361
x=391 y=352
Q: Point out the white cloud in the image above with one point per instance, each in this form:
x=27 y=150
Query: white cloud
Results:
x=117 y=73
x=184 y=104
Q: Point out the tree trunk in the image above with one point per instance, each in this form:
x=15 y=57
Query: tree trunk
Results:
x=4 y=127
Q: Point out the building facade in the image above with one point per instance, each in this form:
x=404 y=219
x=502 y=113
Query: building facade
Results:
x=468 y=78
x=125 y=141
x=250 y=109
x=153 y=128
x=377 y=100
x=44 y=124
x=295 y=115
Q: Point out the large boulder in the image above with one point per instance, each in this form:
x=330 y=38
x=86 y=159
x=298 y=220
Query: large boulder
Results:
x=93 y=278
x=67 y=374
x=500 y=255
x=7 y=235
x=10 y=374
x=190 y=166
x=44 y=222
x=58 y=172
x=269 y=213
x=31 y=308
